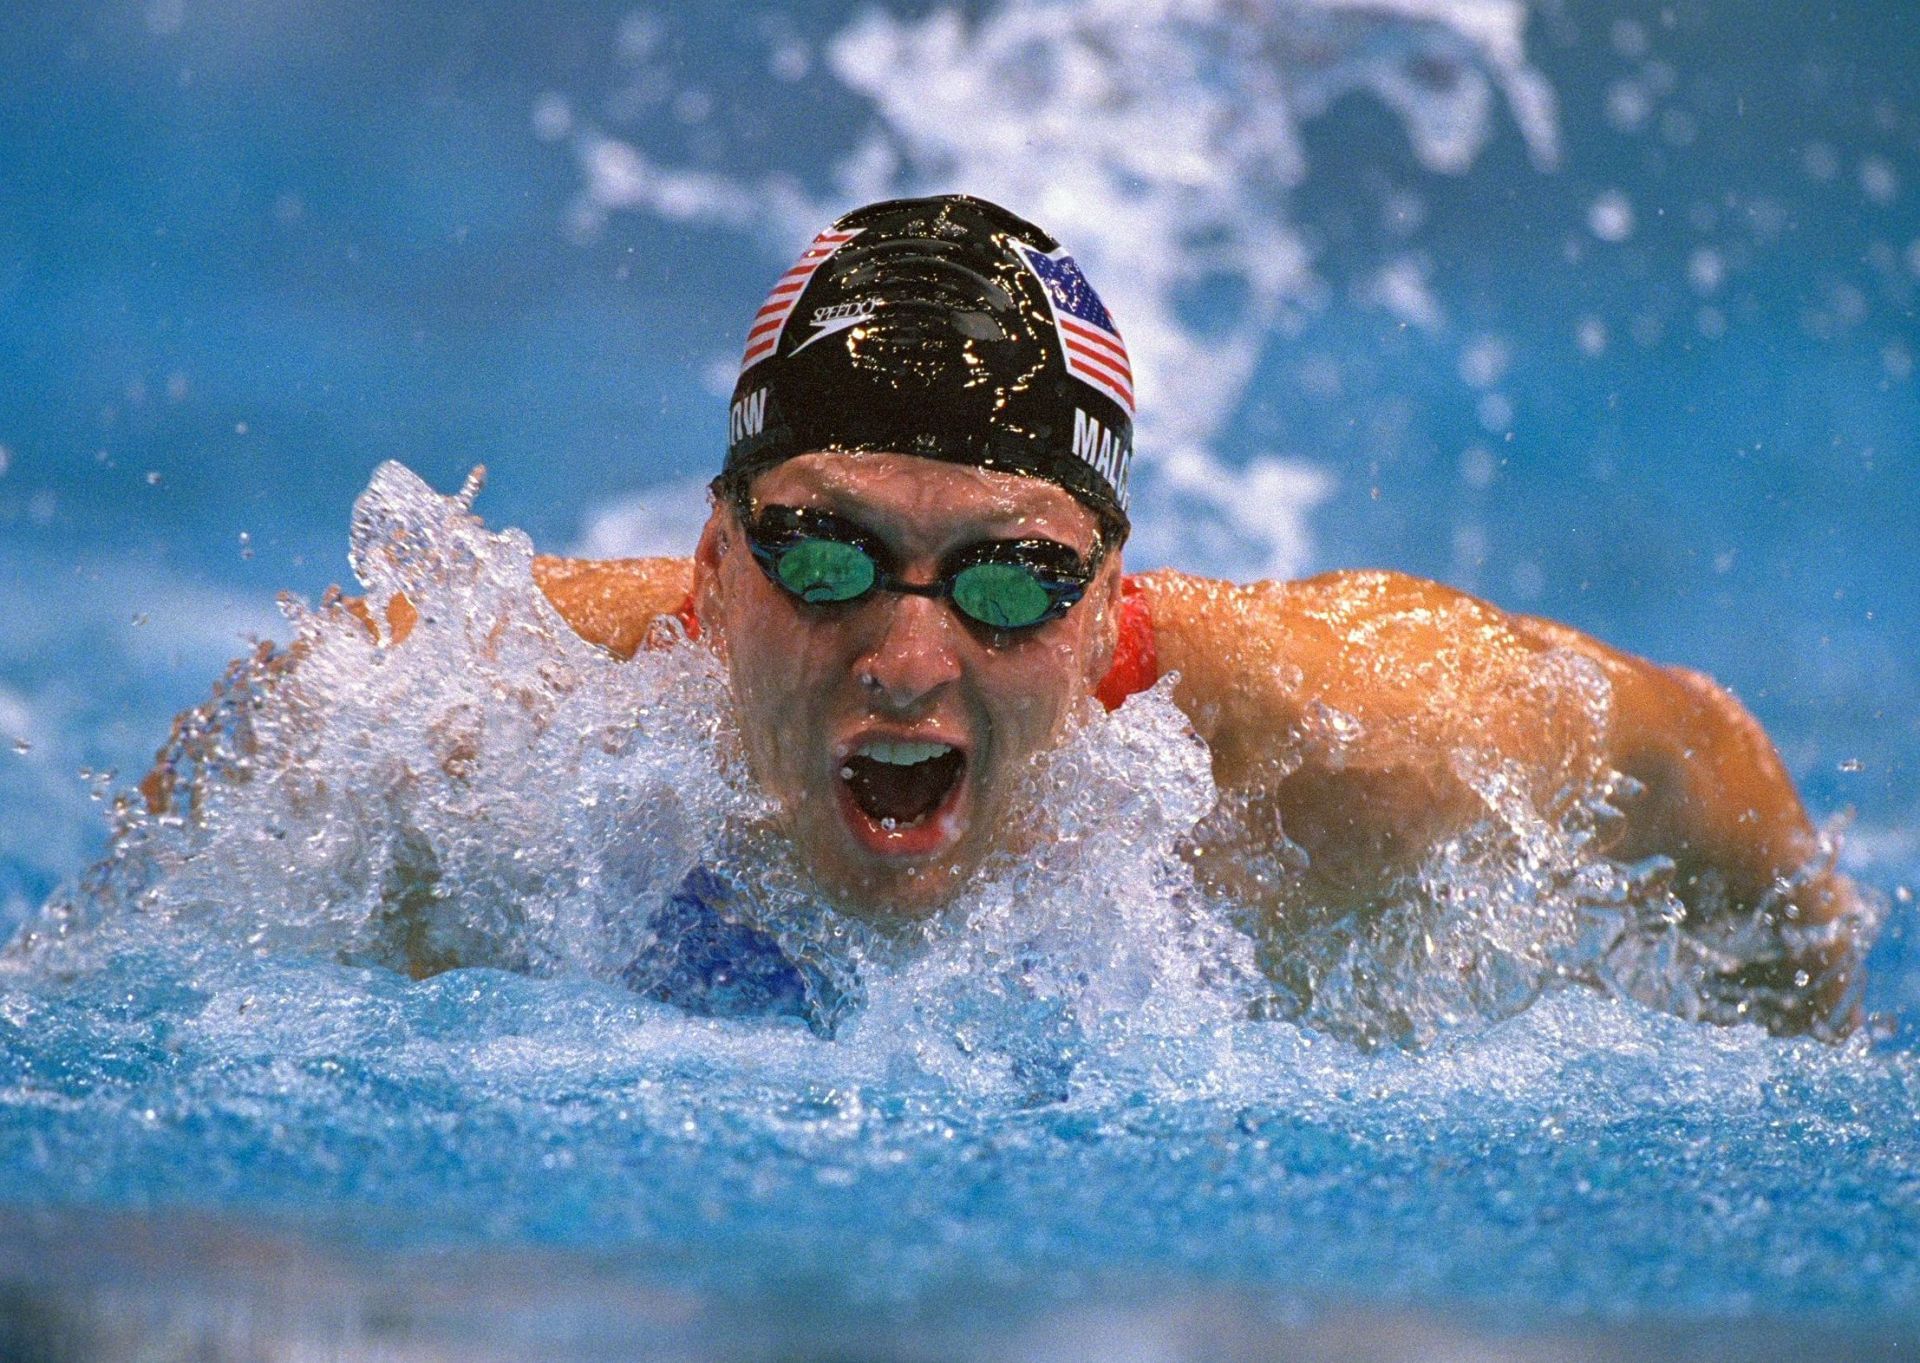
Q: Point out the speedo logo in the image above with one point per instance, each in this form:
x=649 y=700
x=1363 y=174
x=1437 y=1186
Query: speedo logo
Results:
x=835 y=317
x=1105 y=453
x=749 y=416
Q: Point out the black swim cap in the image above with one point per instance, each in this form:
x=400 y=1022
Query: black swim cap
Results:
x=948 y=328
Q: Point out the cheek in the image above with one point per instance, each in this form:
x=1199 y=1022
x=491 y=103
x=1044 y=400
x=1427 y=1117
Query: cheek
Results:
x=1037 y=690
x=783 y=679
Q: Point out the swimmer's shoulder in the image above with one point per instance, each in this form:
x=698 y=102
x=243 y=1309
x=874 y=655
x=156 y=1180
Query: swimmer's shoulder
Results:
x=1398 y=654
x=1320 y=627
x=614 y=602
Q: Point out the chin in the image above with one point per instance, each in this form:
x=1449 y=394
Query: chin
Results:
x=892 y=888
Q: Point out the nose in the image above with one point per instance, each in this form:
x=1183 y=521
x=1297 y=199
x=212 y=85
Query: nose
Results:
x=915 y=654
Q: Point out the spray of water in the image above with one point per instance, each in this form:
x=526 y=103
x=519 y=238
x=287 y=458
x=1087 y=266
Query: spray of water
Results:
x=1163 y=141
x=496 y=792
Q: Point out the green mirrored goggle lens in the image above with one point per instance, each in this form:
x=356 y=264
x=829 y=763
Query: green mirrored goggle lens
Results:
x=1007 y=592
x=1003 y=595
x=826 y=570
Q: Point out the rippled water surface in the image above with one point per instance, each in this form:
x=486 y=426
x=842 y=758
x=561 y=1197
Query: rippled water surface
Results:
x=1055 y=1092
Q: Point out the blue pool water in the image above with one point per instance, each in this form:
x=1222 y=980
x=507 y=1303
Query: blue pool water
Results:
x=1604 y=311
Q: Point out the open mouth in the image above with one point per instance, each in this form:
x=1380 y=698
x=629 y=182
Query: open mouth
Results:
x=900 y=784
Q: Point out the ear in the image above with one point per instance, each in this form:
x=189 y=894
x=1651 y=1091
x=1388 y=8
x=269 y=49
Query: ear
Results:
x=1103 y=594
x=709 y=585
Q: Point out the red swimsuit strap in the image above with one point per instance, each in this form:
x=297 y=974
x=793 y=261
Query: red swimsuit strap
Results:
x=687 y=617
x=1136 y=665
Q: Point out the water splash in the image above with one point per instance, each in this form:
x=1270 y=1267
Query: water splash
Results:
x=1062 y=1078
x=496 y=792
x=1163 y=142
x=470 y=798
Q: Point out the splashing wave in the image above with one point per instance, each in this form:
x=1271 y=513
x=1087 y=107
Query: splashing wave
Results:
x=495 y=792
x=1163 y=143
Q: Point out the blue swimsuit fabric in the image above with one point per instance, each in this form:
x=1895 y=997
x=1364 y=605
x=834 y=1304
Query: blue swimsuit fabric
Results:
x=710 y=958
x=707 y=959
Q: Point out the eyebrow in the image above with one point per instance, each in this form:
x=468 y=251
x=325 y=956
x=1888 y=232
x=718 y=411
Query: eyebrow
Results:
x=996 y=524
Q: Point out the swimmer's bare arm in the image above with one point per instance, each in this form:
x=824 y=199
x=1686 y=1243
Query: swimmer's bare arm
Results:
x=1354 y=713
x=1335 y=708
x=611 y=602
x=614 y=602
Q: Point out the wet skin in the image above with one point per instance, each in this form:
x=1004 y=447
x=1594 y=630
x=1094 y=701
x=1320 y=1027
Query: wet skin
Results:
x=813 y=683
x=1354 y=719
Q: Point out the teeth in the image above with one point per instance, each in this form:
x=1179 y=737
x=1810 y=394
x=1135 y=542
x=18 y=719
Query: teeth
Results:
x=903 y=754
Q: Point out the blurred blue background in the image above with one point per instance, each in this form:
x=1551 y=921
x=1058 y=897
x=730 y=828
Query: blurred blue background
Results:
x=1658 y=382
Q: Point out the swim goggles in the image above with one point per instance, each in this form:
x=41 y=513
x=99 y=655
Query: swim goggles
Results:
x=823 y=559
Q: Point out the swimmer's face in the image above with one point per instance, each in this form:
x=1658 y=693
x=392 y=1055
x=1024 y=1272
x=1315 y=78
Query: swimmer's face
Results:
x=892 y=731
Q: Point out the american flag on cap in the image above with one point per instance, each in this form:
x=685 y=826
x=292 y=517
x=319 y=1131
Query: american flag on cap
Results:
x=768 y=323
x=1088 y=338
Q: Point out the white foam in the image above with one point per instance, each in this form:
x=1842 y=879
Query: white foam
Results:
x=1253 y=520
x=1161 y=139
x=18 y=728
x=496 y=792
x=1401 y=287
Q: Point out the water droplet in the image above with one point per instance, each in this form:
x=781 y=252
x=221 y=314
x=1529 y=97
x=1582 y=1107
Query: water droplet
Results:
x=1629 y=104
x=1820 y=161
x=1879 y=180
x=476 y=480
x=552 y=117
x=1495 y=411
x=1629 y=38
x=1706 y=269
x=1484 y=362
x=1611 y=217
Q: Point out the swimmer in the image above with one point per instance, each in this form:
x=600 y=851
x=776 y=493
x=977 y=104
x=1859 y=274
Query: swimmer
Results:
x=913 y=575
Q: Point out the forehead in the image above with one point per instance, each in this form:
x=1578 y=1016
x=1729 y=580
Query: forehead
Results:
x=911 y=497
